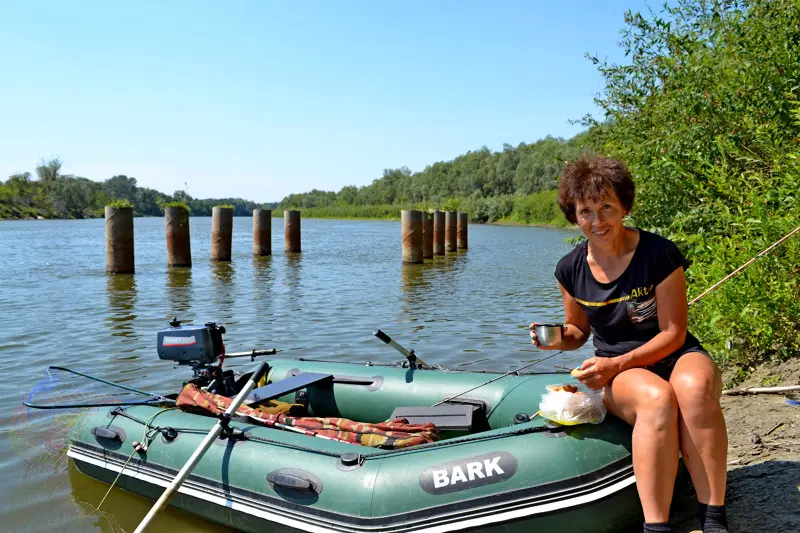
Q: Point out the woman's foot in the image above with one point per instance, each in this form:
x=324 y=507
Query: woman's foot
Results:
x=657 y=527
x=713 y=518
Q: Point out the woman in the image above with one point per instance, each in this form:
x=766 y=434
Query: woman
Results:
x=626 y=287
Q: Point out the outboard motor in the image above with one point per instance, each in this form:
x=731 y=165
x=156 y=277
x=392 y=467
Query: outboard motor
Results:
x=199 y=347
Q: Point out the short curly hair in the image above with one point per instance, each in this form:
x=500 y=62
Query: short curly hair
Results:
x=589 y=177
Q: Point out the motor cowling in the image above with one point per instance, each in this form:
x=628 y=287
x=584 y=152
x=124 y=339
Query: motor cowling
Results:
x=191 y=345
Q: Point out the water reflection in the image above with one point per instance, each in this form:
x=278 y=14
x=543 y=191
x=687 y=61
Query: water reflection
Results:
x=121 y=293
x=261 y=294
x=122 y=511
x=417 y=278
x=414 y=280
x=179 y=290
x=222 y=276
x=293 y=272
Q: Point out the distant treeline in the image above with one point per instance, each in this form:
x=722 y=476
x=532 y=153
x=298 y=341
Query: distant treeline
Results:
x=52 y=194
x=488 y=185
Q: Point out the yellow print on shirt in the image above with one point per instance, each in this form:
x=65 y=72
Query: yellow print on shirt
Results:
x=638 y=292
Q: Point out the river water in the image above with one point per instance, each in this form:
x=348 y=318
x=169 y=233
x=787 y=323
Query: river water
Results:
x=59 y=307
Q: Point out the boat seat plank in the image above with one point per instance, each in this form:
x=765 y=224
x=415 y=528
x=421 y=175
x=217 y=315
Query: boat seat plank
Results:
x=454 y=417
x=286 y=386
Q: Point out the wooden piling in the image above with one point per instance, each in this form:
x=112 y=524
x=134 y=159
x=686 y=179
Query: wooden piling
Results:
x=262 y=231
x=221 y=233
x=463 y=225
x=411 y=228
x=179 y=249
x=119 y=240
x=438 y=232
x=291 y=231
x=450 y=229
x=427 y=235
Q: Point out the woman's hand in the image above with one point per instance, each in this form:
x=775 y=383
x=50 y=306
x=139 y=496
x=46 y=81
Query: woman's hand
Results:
x=535 y=340
x=597 y=372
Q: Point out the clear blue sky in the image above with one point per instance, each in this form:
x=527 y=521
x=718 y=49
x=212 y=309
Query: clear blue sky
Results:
x=259 y=99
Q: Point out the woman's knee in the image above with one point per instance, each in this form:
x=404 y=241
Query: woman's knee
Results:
x=658 y=403
x=696 y=387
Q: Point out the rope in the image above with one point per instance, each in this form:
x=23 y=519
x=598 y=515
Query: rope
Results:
x=147 y=435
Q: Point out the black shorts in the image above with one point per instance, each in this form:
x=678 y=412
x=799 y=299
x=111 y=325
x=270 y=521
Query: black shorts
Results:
x=663 y=368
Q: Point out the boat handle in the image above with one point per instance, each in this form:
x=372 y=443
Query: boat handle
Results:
x=104 y=433
x=290 y=481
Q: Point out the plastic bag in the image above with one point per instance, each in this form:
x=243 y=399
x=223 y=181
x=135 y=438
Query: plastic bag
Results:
x=573 y=408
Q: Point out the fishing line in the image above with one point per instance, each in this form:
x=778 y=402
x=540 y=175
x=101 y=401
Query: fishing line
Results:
x=498 y=377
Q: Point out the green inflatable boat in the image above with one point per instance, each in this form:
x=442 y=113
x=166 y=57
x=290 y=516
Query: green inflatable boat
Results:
x=492 y=467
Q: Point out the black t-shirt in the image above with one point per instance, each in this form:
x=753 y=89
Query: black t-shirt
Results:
x=623 y=313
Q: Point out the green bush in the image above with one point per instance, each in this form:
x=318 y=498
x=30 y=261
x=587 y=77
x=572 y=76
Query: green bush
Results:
x=175 y=204
x=707 y=118
x=120 y=202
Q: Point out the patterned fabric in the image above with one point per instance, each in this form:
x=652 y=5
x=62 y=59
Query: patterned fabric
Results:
x=396 y=433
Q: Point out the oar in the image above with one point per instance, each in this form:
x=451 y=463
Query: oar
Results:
x=410 y=355
x=201 y=450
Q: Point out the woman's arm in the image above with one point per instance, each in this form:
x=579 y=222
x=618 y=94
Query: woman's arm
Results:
x=576 y=329
x=597 y=372
x=672 y=323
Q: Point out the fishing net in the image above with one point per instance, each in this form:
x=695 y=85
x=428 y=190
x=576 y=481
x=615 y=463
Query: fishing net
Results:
x=62 y=388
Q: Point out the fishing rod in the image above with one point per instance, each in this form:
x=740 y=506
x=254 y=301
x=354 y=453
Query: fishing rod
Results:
x=747 y=264
x=515 y=371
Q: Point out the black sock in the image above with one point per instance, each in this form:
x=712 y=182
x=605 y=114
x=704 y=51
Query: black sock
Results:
x=712 y=518
x=657 y=527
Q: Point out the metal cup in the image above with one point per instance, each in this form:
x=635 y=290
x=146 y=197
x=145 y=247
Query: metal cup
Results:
x=549 y=334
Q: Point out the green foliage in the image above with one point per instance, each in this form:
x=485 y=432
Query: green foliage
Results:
x=377 y=212
x=450 y=204
x=707 y=117
x=518 y=171
x=771 y=380
x=124 y=202
x=57 y=195
x=176 y=204
x=226 y=206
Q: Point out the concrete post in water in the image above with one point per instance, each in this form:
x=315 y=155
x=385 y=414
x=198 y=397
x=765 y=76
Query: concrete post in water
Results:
x=463 y=224
x=427 y=235
x=450 y=228
x=411 y=227
x=438 y=232
x=119 y=240
x=221 y=233
x=291 y=231
x=262 y=231
x=179 y=249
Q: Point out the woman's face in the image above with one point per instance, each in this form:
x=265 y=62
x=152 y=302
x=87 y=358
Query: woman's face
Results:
x=601 y=221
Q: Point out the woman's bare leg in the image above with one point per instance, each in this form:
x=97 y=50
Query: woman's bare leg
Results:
x=648 y=403
x=703 y=436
